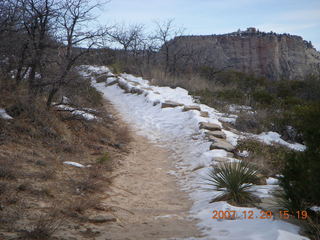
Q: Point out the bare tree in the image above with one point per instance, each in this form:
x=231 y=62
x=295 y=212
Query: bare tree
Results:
x=166 y=31
x=8 y=14
x=37 y=16
x=73 y=31
x=8 y=22
x=128 y=37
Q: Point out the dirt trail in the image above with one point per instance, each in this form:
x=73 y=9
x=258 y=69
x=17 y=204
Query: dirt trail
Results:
x=149 y=204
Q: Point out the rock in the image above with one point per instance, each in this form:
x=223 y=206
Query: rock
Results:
x=104 y=141
x=209 y=126
x=230 y=155
x=198 y=167
x=204 y=114
x=112 y=83
x=65 y=100
x=89 y=231
x=221 y=144
x=147 y=88
x=221 y=159
x=193 y=107
x=217 y=134
x=170 y=104
x=135 y=90
x=100 y=79
x=213 y=138
x=197 y=99
x=262 y=179
x=102 y=219
x=254 y=52
x=124 y=86
x=134 y=83
x=156 y=102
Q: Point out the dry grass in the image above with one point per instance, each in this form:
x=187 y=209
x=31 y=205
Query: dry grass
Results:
x=87 y=181
x=158 y=77
x=43 y=227
x=76 y=207
x=269 y=158
x=123 y=135
x=33 y=178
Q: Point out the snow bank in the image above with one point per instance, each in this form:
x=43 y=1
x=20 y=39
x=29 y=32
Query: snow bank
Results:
x=272 y=181
x=74 y=164
x=179 y=132
x=4 y=114
x=315 y=208
x=273 y=137
x=84 y=113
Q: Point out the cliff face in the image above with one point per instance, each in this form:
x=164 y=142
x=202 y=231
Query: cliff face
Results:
x=274 y=56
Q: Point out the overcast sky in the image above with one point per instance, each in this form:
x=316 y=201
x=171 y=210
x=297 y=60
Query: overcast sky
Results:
x=299 y=17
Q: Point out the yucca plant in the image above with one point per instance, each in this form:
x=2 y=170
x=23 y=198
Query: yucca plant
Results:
x=234 y=181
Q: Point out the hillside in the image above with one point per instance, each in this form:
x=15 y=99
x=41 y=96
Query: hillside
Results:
x=274 y=56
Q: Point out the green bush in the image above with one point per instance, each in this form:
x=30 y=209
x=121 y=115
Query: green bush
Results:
x=232 y=95
x=301 y=178
x=117 y=67
x=104 y=158
x=207 y=72
x=267 y=157
x=234 y=181
x=263 y=97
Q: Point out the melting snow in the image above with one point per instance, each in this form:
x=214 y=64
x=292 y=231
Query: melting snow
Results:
x=272 y=181
x=315 y=208
x=74 y=164
x=273 y=137
x=4 y=114
x=82 y=113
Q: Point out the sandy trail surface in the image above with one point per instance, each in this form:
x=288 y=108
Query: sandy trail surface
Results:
x=146 y=198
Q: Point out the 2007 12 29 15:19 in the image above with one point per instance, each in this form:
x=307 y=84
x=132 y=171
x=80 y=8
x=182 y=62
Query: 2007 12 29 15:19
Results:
x=283 y=214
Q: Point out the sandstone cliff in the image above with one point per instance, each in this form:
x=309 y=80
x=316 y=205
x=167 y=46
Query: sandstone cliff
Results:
x=275 y=56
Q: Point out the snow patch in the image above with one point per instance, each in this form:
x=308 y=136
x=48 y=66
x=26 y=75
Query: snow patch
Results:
x=86 y=113
x=4 y=114
x=315 y=208
x=273 y=137
x=272 y=181
x=244 y=154
x=74 y=164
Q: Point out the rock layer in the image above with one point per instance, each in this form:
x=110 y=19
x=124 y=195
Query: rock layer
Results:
x=275 y=56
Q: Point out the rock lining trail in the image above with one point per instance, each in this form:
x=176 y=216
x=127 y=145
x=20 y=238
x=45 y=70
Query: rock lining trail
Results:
x=146 y=199
x=192 y=142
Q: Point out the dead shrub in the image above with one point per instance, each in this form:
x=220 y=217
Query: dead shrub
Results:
x=248 y=123
x=24 y=187
x=255 y=122
x=86 y=182
x=12 y=208
x=43 y=227
x=268 y=157
x=9 y=216
x=46 y=174
x=41 y=192
x=78 y=205
x=7 y=172
x=3 y=187
x=123 y=135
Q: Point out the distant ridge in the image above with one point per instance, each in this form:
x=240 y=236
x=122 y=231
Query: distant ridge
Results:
x=275 y=56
